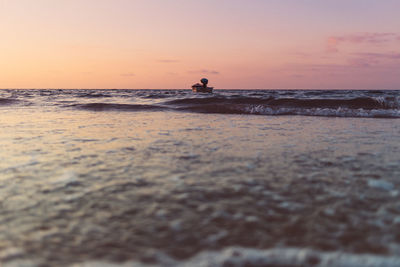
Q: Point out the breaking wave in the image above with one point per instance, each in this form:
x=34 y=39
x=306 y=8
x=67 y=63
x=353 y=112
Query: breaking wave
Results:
x=362 y=104
x=354 y=103
x=7 y=101
x=93 y=95
x=355 y=107
x=121 y=107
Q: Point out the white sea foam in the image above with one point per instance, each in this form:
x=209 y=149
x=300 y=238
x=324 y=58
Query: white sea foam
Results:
x=381 y=184
x=324 y=112
x=68 y=178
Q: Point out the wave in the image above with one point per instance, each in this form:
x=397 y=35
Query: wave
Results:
x=324 y=112
x=157 y=96
x=365 y=107
x=7 y=101
x=356 y=107
x=354 y=103
x=93 y=95
x=121 y=107
x=275 y=111
x=236 y=99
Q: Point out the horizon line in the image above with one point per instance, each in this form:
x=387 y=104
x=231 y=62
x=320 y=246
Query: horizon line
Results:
x=53 y=88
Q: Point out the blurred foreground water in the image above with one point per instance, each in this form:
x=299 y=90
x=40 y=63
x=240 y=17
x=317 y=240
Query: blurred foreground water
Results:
x=91 y=178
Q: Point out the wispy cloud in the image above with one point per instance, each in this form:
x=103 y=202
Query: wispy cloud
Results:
x=356 y=64
x=362 y=62
x=168 y=61
x=324 y=67
x=205 y=71
x=393 y=56
x=128 y=74
x=370 y=59
x=333 y=42
x=296 y=70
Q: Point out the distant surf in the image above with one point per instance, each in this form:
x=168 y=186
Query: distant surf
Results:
x=110 y=106
x=325 y=103
x=355 y=107
x=7 y=101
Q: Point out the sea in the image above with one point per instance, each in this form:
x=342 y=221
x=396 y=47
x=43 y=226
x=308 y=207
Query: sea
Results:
x=175 y=178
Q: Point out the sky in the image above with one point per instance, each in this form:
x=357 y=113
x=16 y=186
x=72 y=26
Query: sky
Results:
x=171 y=44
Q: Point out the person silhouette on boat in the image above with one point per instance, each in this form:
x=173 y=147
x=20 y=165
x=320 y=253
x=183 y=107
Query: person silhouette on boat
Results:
x=204 y=81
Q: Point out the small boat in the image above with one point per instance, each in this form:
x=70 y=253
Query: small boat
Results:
x=199 y=88
x=202 y=87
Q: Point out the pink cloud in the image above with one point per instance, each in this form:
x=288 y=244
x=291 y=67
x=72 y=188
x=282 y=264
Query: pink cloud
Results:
x=362 y=62
x=302 y=69
x=393 y=56
x=333 y=42
x=372 y=59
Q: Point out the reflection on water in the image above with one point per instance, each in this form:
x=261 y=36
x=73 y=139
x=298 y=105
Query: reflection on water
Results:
x=83 y=185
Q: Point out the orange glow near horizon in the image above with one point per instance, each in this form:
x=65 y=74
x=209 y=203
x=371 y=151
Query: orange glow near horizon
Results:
x=170 y=45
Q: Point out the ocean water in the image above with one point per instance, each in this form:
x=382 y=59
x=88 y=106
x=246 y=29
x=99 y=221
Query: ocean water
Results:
x=172 y=178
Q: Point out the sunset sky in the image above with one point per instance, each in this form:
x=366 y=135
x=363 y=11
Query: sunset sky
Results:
x=249 y=44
